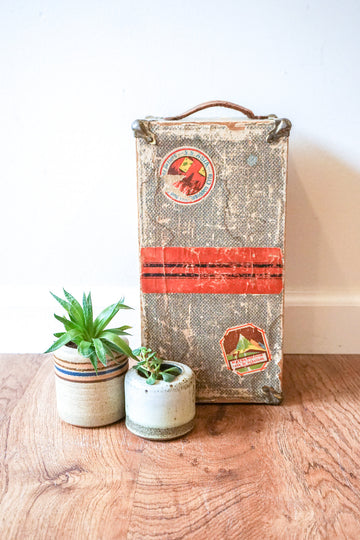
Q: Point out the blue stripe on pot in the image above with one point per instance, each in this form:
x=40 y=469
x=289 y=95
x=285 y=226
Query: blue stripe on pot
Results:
x=104 y=374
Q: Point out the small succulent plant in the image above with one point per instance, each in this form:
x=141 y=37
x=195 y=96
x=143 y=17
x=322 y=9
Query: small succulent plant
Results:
x=152 y=367
x=92 y=337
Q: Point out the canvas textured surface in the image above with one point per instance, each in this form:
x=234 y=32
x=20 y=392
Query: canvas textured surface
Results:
x=218 y=189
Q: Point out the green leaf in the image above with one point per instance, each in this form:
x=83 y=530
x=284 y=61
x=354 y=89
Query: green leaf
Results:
x=173 y=370
x=108 y=351
x=113 y=347
x=94 y=361
x=59 y=334
x=88 y=312
x=100 y=350
x=66 y=306
x=119 y=343
x=167 y=377
x=86 y=348
x=140 y=363
x=151 y=379
x=66 y=338
x=120 y=331
x=141 y=351
x=107 y=315
x=77 y=339
x=69 y=325
x=76 y=309
x=142 y=370
x=62 y=302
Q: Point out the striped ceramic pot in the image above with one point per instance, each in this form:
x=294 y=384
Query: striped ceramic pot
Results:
x=163 y=410
x=87 y=399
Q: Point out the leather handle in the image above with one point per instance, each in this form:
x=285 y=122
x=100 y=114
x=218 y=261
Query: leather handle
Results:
x=217 y=103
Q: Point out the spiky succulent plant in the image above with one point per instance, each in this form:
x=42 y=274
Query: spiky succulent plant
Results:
x=92 y=337
x=153 y=368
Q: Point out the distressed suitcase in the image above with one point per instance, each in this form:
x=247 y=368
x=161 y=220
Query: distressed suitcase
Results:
x=211 y=199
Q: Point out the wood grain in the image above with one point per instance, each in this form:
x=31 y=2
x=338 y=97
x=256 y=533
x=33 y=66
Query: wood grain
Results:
x=246 y=471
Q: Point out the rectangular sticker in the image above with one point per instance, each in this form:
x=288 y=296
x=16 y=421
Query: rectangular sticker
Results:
x=243 y=362
x=209 y=270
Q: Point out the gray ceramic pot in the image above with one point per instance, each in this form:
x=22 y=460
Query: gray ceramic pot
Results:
x=163 y=410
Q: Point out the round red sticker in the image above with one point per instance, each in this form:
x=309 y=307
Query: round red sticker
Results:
x=188 y=175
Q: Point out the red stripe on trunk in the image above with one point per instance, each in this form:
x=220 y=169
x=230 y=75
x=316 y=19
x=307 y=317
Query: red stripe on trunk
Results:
x=209 y=270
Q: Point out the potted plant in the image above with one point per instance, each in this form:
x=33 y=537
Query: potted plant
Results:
x=90 y=363
x=159 y=397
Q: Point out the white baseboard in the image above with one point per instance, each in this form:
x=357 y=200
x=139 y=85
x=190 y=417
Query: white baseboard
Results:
x=317 y=323
x=322 y=323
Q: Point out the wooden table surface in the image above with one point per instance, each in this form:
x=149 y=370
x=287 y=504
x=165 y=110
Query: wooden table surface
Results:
x=246 y=471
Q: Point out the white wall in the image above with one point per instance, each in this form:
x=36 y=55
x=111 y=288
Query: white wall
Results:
x=74 y=74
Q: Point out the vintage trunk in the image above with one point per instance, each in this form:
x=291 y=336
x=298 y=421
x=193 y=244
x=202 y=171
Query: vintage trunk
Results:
x=211 y=197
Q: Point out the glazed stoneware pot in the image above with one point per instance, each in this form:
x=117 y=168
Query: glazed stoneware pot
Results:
x=163 y=410
x=84 y=398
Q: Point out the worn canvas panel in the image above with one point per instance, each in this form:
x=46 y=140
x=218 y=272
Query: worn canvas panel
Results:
x=211 y=200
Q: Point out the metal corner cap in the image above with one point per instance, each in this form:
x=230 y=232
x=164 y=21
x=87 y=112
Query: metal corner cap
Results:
x=272 y=396
x=141 y=129
x=282 y=127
